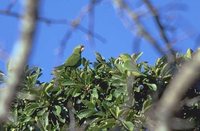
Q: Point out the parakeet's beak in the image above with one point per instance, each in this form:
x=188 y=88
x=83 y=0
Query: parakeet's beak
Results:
x=82 y=48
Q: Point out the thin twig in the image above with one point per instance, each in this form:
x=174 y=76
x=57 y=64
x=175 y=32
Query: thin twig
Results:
x=91 y=22
x=160 y=26
x=76 y=24
x=9 y=13
x=19 y=56
x=11 y=5
x=50 y=21
x=121 y=4
x=137 y=43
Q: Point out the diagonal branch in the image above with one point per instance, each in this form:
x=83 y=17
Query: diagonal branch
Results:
x=20 y=56
x=160 y=26
x=185 y=78
x=49 y=21
x=121 y=4
x=11 y=5
x=9 y=13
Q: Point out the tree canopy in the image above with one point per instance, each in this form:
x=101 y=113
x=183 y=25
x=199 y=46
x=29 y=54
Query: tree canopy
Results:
x=101 y=95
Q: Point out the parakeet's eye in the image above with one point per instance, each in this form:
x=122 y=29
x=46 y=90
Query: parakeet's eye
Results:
x=82 y=48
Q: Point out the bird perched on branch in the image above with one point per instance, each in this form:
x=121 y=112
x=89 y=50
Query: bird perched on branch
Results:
x=74 y=60
x=126 y=64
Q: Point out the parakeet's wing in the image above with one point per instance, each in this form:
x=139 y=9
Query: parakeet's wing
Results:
x=73 y=61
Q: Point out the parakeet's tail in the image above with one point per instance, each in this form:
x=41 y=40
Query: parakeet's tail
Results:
x=60 y=67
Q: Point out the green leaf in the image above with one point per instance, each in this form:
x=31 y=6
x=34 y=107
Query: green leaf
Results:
x=26 y=95
x=120 y=68
x=147 y=104
x=152 y=86
x=68 y=83
x=85 y=113
x=108 y=98
x=95 y=93
x=136 y=56
x=31 y=108
x=166 y=70
x=99 y=58
x=41 y=112
x=136 y=73
x=48 y=87
x=128 y=125
x=107 y=123
x=189 y=53
x=118 y=92
x=76 y=94
x=130 y=66
x=117 y=111
x=89 y=104
x=58 y=110
x=28 y=119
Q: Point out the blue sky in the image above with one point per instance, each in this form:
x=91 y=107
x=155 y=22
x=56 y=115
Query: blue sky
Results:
x=107 y=23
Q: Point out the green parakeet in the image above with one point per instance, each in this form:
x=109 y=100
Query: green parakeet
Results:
x=74 y=60
x=126 y=63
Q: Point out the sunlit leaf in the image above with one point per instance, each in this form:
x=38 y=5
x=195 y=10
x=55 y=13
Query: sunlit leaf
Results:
x=128 y=125
x=85 y=113
x=189 y=53
x=152 y=86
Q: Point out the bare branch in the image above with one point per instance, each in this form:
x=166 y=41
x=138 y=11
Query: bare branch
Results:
x=19 y=56
x=50 y=21
x=136 y=43
x=160 y=26
x=75 y=24
x=9 y=13
x=184 y=79
x=130 y=102
x=11 y=5
x=91 y=23
x=72 y=123
x=121 y=4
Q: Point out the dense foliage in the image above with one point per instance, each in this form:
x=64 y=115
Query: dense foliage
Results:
x=105 y=94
